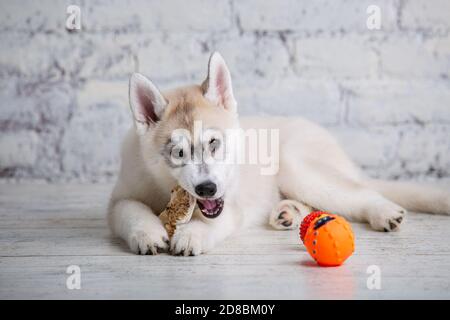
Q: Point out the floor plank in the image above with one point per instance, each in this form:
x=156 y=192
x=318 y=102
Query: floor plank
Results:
x=46 y=228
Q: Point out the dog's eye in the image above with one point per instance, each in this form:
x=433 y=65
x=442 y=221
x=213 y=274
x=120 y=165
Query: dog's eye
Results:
x=177 y=153
x=214 y=144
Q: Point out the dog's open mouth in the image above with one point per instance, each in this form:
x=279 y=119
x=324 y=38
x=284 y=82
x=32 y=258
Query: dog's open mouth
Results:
x=211 y=208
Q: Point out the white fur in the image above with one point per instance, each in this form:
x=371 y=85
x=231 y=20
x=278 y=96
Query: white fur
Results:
x=314 y=172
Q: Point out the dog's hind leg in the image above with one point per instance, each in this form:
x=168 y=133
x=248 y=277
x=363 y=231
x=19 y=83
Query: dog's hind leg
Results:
x=414 y=197
x=287 y=214
x=326 y=188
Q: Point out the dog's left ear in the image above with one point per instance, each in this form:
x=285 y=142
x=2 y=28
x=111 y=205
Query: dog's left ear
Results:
x=217 y=87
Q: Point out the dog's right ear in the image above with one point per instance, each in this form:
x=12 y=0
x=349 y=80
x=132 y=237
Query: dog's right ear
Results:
x=217 y=87
x=146 y=101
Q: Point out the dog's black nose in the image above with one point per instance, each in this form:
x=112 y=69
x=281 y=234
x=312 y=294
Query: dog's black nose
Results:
x=206 y=189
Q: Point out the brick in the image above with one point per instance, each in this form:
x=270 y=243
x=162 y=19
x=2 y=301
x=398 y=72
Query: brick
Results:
x=16 y=111
x=398 y=102
x=25 y=55
x=408 y=56
x=56 y=57
x=48 y=162
x=424 y=151
x=266 y=58
x=107 y=56
x=173 y=59
x=91 y=143
x=19 y=149
x=42 y=56
x=405 y=152
x=97 y=92
x=336 y=57
x=314 y=100
x=143 y=15
x=323 y=15
x=32 y=117
x=117 y=15
x=426 y=14
x=34 y=105
x=34 y=16
x=374 y=148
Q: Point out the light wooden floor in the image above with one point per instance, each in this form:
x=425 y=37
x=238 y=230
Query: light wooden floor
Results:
x=44 y=229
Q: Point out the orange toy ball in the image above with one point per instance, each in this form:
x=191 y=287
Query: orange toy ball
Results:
x=327 y=237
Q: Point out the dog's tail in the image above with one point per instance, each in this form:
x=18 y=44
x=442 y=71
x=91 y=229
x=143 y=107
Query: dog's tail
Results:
x=414 y=197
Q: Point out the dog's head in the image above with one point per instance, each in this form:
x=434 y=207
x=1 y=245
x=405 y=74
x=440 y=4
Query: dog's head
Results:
x=191 y=129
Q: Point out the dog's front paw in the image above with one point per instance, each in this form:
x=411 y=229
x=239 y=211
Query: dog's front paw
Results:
x=152 y=241
x=387 y=217
x=187 y=240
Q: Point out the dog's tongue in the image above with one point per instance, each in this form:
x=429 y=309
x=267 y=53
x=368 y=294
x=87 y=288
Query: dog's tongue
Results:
x=208 y=204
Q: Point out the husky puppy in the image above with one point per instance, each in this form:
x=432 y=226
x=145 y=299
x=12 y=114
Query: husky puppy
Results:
x=311 y=171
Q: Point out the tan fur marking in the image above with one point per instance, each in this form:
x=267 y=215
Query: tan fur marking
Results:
x=185 y=106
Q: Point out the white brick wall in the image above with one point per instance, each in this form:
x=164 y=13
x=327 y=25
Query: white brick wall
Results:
x=312 y=16
x=351 y=57
x=385 y=93
x=426 y=15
